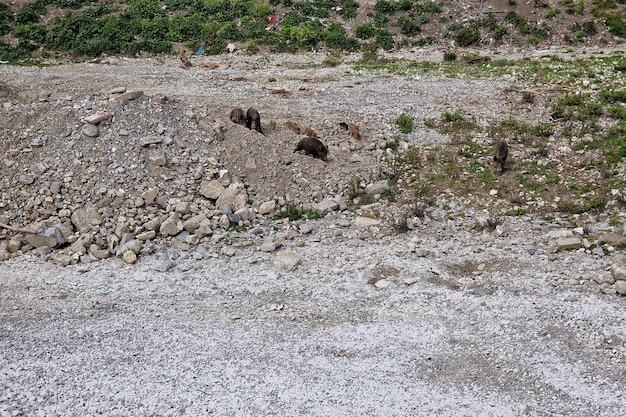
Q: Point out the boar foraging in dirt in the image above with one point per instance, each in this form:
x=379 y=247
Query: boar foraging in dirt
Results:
x=237 y=116
x=313 y=147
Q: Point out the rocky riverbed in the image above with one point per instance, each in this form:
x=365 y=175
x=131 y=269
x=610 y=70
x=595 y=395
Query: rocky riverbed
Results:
x=145 y=270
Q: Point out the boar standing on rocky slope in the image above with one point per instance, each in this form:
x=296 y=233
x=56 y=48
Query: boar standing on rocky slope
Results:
x=253 y=117
x=313 y=147
x=502 y=151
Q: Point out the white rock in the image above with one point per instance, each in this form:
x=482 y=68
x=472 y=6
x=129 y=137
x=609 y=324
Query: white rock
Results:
x=287 y=259
x=267 y=207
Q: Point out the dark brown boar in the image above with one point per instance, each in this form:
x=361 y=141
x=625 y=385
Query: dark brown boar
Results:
x=313 y=147
x=501 y=153
x=253 y=118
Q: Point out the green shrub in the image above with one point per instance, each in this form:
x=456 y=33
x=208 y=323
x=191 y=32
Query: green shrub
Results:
x=572 y=7
x=430 y=6
x=384 y=39
x=542 y=129
x=405 y=123
x=241 y=8
x=305 y=37
x=291 y=19
x=408 y=26
x=455 y=117
x=386 y=7
x=220 y=10
x=230 y=31
x=613 y=96
x=405 y=5
x=587 y=205
x=349 y=9
x=69 y=4
x=365 y=31
x=467 y=36
x=617 y=111
x=190 y=6
x=500 y=32
x=96 y=11
x=143 y=9
x=616 y=24
x=31 y=33
x=449 y=56
x=15 y=53
x=381 y=20
x=6 y=18
x=154 y=29
x=335 y=37
x=186 y=28
x=311 y=10
x=423 y=19
x=293 y=213
x=552 y=13
x=30 y=13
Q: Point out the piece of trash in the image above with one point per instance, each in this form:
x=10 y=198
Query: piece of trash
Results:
x=201 y=49
x=231 y=47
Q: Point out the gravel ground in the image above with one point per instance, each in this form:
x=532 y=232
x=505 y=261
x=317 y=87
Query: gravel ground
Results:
x=242 y=336
x=445 y=319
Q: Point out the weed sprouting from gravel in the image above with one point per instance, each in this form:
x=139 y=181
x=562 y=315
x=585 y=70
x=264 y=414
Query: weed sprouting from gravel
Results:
x=293 y=213
x=405 y=123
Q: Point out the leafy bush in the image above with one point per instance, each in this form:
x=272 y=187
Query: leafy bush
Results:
x=381 y=20
x=500 y=32
x=430 y=6
x=6 y=18
x=518 y=21
x=616 y=24
x=365 y=31
x=15 y=53
x=423 y=19
x=293 y=213
x=408 y=26
x=311 y=10
x=467 y=36
x=384 y=39
x=69 y=4
x=143 y=9
x=572 y=7
x=552 y=13
x=96 y=11
x=30 y=12
x=617 y=111
x=230 y=32
x=220 y=10
x=335 y=37
x=405 y=123
x=157 y=28
x=542 y=130
x=31 y=33
x=188 y=28
x=405 y=5
x=291 y=19
x=386 y=7
x=304 y=37
x=241 y=8
x=349 y=9
x=613 y=96
x=190 y=6
x=449 y=56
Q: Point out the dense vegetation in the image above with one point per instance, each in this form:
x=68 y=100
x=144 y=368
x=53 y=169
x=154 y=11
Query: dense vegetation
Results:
x=85 y=28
